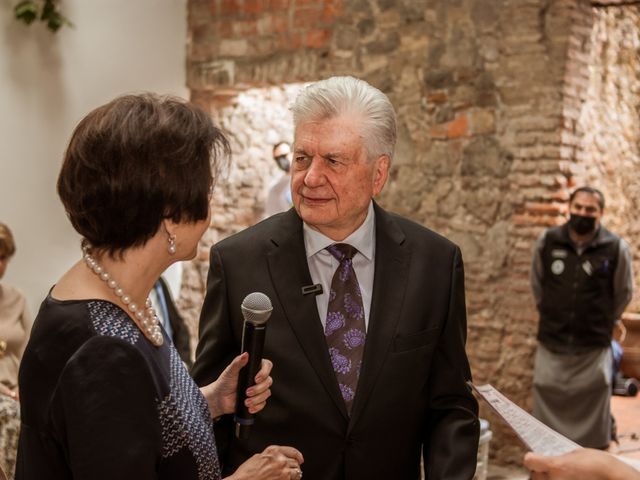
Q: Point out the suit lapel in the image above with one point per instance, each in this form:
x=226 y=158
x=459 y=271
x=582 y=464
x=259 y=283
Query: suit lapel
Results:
x=389 y=286
x=289 y=272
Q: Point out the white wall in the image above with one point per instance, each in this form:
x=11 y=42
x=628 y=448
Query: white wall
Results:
x=48 y=82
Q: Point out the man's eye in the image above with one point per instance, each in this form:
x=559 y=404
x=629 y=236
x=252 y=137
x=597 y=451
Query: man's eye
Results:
x=302 y=161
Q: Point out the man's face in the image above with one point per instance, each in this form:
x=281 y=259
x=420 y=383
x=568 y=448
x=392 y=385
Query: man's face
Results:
x=586 y=204
x=332 y=181
x=282 y=156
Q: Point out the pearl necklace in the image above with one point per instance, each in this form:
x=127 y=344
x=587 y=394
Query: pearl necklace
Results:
x=145 y=318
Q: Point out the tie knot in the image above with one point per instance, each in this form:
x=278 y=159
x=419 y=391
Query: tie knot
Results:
x=342 y=251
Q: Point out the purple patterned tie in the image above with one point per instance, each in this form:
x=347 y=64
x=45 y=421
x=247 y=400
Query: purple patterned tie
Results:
x=345 y=329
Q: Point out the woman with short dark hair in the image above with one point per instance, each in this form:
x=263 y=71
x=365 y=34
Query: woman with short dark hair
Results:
x=104 y=393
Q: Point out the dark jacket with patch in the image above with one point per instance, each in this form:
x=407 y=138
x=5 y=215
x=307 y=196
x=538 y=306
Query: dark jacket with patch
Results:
x=577 y=304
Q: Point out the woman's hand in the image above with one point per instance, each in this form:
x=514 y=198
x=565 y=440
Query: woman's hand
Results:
x=274 y=463
x=221 y=394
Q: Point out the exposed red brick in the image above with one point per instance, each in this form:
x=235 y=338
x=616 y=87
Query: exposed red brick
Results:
x=438 y=132
x=330 y=13
x=291 y=41
x=306 y=18
x=275 y=5
x=459 y=127
x=252 y=7
x=279 y=23
x=230 y=7
x=318 y=38
x=437 y=97
x=545 y=208
x=224 y=29
x=247 y=28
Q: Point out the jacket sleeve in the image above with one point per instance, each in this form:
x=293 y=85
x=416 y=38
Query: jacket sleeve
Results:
x=104 y=413
x=452 y=429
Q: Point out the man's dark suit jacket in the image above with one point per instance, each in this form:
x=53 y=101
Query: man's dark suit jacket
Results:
x=411 y=392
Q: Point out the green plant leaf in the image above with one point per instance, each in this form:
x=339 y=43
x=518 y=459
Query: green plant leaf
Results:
x=55 y=22
x=48 y=10
x=26 y=11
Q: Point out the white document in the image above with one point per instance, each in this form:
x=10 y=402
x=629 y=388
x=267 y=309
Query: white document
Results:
x=536 y=435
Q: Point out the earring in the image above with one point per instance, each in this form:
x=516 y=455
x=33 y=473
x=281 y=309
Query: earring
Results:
x=172 y=245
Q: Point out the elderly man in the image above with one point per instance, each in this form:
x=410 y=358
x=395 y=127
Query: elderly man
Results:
x=370 y=364
x=582 y=280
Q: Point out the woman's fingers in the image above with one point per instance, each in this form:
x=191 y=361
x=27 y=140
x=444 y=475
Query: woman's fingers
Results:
x=265 y=370
x=260 y=392
x=289 y=452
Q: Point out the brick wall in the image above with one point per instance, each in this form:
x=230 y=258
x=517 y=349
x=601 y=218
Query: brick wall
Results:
x=503 y=107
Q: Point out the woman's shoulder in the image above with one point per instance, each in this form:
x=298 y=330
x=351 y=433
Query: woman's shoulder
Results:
x=64 y=316
x=62 y=327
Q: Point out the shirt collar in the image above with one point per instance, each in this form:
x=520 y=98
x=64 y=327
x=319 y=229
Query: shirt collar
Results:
x=362 y=238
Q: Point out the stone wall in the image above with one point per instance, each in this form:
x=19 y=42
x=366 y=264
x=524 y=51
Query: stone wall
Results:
x=494 y=100
x=609 y=121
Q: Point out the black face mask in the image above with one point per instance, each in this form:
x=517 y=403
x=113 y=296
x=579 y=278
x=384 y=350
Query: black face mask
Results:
x=581 y=224
x=283 y=162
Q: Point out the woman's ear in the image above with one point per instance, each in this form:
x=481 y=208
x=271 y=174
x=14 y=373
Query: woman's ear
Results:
x=170 y=228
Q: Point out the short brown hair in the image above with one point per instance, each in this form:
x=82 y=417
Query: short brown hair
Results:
x=135 y=161
x=591 y=191
x=7 y=244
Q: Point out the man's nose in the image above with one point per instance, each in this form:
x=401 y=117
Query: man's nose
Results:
x=315 y=175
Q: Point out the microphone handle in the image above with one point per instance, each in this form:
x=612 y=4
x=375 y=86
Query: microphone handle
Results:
x=253 y=342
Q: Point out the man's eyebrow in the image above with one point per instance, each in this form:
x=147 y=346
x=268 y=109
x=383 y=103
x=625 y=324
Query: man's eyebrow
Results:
x=338 y=155
x=333 y=155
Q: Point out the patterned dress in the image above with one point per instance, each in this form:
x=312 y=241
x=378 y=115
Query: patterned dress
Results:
x=15 y=324
x=98 y=401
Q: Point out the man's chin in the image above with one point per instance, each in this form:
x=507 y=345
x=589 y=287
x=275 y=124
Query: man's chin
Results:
x=314 y=216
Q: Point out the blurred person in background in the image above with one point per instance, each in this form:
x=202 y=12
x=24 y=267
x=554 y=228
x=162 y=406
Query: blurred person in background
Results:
x=15 y=325
x=582 y=280
x=104 y=394
x=279 y=194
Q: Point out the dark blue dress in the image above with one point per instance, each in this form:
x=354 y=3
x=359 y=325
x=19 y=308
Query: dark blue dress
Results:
x=98 y=400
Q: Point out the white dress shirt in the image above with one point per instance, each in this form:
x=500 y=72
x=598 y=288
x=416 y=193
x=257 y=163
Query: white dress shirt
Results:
x=322 y=265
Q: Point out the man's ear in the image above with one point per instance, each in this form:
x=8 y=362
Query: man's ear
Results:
x=380 y=173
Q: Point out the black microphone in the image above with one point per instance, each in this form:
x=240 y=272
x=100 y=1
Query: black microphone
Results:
x=256 y=310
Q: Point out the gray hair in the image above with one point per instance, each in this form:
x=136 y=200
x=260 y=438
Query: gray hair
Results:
x=335 y=96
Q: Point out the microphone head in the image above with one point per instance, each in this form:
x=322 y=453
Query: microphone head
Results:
x=256 y=308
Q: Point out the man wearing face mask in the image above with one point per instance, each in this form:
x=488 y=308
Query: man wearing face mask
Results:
x=582 y=280
x=279 y=194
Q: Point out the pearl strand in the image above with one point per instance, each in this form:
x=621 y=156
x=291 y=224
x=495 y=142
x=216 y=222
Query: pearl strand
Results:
x=145 y=318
